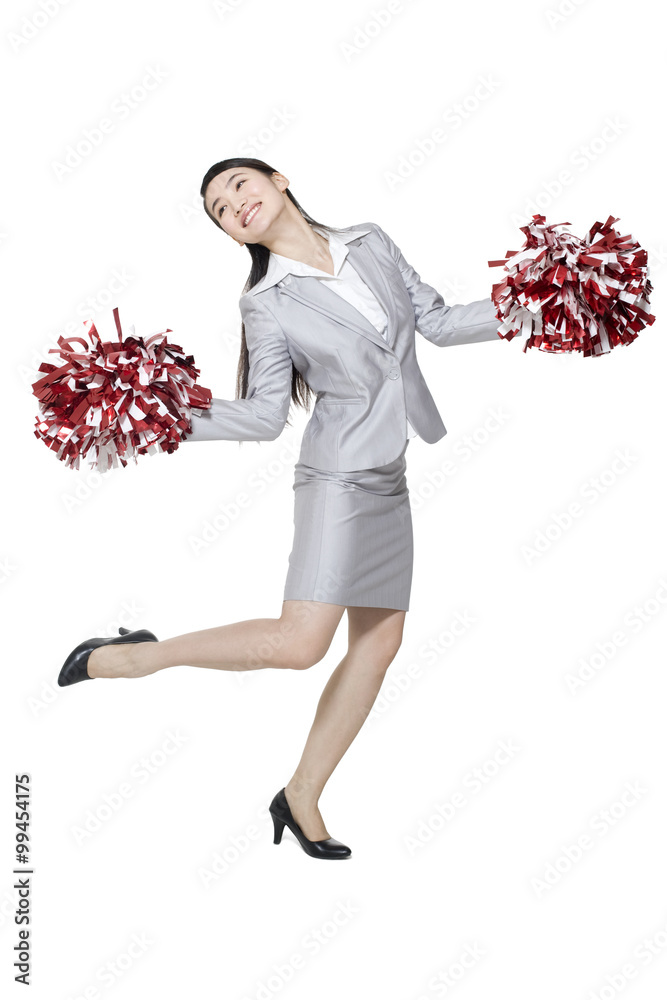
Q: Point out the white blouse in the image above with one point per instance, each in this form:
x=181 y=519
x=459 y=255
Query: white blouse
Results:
x=348 y=283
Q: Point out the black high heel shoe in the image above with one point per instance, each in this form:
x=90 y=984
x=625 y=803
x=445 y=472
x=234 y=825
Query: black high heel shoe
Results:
x=282 y=817
x=75 y=666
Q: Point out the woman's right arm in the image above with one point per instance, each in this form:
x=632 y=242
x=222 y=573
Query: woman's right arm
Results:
x=262 y=415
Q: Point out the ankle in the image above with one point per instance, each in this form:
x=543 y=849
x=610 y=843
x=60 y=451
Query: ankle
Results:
x=303 y=792
x=115 y=661
x=99 y=661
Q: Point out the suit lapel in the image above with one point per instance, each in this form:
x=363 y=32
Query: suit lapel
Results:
x=314 y=293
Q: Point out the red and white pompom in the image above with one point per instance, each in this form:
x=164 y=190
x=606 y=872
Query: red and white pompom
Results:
x=113 y=400
x=571 y=294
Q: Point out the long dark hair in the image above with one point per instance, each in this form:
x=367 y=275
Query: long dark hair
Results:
x=301 y=391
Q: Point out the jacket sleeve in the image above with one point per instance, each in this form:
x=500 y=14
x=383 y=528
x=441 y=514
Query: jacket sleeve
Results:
x=443 y=325
x=262 y=415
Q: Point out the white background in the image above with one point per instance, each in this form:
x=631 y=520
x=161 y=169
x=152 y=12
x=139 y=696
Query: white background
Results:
x=335 y=102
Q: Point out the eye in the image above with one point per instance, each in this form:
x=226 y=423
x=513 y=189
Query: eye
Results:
x=238 y=185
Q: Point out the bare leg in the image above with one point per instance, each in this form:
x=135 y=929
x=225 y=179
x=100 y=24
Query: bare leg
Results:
x=298 y=639
x=375 y=635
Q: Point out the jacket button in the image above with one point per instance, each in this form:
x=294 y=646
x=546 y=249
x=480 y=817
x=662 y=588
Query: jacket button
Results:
x=393 y=373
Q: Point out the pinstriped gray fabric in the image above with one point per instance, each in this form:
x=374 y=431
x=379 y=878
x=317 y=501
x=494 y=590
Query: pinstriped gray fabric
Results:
x=353 y=542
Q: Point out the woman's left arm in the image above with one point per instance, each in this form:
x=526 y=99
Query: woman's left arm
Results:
x=442 y=324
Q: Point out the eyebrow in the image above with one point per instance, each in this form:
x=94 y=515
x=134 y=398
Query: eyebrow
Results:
x=226 y=186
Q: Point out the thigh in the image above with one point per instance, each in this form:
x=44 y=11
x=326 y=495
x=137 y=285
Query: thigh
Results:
x=380 y=627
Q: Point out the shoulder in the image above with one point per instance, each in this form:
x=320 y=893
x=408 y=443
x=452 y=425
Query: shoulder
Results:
x=375 y=233
x=368 y=232
x=255 y=306
x=363 y=228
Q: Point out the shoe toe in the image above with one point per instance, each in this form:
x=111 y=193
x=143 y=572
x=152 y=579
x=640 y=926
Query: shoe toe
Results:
x=339 y=849
x=332 y=848
x=74 y=667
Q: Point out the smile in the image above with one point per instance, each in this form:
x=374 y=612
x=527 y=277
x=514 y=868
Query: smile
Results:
x=251 y=214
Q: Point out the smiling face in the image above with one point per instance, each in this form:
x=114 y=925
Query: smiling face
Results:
x=246 y=202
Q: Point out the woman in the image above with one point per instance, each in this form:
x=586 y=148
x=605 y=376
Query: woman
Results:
x=352 y=548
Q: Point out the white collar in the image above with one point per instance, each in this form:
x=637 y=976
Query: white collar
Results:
x=279 y=266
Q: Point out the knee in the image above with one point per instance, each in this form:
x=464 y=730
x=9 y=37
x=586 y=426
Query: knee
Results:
x=391 y=642
x=305 y=644
x=297 y=653
x=387 y=657
x=385 y=652
x=305 y=656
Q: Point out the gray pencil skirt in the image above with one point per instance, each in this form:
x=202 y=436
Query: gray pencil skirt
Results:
x=352 y=537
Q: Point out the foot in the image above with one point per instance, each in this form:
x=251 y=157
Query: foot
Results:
x=307 y=815
x=122 y=660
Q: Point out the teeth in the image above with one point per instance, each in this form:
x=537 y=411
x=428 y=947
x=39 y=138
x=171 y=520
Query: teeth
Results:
x=250 y=215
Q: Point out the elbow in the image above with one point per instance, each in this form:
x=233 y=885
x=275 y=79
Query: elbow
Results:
x=272 y=427
x=268 y=420
x=271 y=434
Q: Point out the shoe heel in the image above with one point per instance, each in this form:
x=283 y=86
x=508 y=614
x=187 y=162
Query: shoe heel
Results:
x=278 y=827
x=124 y=631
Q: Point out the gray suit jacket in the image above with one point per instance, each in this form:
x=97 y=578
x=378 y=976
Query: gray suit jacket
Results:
x=364 y=385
